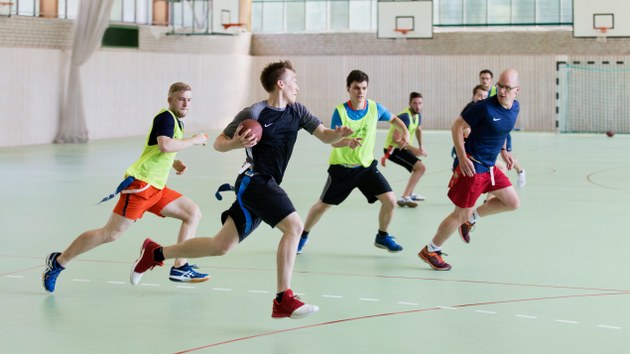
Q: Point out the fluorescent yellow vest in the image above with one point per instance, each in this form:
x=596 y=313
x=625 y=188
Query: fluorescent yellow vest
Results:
x=153 y=166
x=364 y=128
x=414 y=122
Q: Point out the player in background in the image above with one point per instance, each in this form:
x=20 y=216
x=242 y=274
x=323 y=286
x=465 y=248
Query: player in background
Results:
x=352 y=163
x=407 y=157
x=144 y=189
x=259 y=196
x=474 y=172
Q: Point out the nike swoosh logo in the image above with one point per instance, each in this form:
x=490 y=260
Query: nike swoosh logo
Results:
x=268 y=125
x=496 y=119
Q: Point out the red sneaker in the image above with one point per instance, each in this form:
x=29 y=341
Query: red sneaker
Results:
x=292 y=307
x=145 y=261
x=464 y=231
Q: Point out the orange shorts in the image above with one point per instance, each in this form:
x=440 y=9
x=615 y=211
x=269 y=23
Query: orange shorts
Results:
x=464 y=191
x=132 y=205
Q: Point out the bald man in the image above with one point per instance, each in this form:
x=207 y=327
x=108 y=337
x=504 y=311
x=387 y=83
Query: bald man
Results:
x=474 y=171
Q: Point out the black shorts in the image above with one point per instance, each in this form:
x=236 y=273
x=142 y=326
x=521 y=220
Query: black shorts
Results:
x=403 y=158
x=258 y=198
x=342 y=180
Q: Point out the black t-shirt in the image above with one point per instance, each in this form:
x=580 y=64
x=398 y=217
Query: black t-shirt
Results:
x=272 y=153
x=163 y=125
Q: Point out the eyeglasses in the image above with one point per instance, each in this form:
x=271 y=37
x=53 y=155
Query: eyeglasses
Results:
x=508 y=89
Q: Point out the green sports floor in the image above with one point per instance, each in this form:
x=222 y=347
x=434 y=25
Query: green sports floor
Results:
x=551 y=277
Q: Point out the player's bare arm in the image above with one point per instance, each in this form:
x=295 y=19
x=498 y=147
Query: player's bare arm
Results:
x=331 y=136
x=167 y=144
x=402 y=128
x=224 y=143
x=457 y=132
x=180 y=167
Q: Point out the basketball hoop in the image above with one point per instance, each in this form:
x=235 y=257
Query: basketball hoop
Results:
x=601 y=36
x=5 y=8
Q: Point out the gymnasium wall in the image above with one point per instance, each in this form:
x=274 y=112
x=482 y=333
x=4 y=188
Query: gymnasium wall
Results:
x=123 y=88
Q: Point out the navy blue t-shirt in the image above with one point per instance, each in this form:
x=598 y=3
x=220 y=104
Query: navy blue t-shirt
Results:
x=163 y=125
x=407 y=119
x=272 y=153
x=490 y=125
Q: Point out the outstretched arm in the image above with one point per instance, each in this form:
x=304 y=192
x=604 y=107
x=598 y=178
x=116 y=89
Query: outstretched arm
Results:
x=402 y=128
x=167 y=144
x=457 y=131
x=331 y=136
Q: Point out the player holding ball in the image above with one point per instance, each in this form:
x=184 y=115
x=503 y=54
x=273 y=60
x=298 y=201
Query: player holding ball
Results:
x=259 y=196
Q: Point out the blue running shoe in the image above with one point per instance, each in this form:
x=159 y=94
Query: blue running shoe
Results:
x=387 y=242
x=303 y=242
x=49 y=277
x=187 y=274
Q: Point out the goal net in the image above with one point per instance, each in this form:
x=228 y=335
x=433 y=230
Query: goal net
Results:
x=593 y=97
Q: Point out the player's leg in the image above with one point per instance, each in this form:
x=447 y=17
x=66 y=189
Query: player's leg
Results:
x=286 y=304
x=432 y=253
x=56 y=262
x=153 y=254
x=188 y=212
x=416 y=173
x=315 y=214
x=506 y=199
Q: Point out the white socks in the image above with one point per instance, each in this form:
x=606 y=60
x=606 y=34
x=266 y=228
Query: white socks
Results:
x=474 y=217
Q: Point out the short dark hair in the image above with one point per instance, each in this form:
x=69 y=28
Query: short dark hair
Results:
x=414 y=95
x=477 y=88
x=273 y=72
x=486 y=71
x=358 y=76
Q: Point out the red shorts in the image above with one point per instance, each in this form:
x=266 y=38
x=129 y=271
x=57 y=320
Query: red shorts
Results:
x=132 y=205
x=464 y=191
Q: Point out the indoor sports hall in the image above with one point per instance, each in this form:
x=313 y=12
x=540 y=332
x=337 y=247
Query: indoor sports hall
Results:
x=83 y=80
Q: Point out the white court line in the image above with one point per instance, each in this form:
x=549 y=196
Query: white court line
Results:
x=82 y=280
x=407 y=303
x=527 y=316
x=149 y=284
x=488 y=312
x=186 y=287
x=116 y=282
x=15 y=276
x=567 y=321
x=259 y=291
x=369 y=299
x=608 y=327
x=446 y=308
x=333 y=296
x=221 y=289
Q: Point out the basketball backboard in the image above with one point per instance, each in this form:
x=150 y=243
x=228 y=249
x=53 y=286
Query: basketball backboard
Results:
x=405 y=19
x=590 y=17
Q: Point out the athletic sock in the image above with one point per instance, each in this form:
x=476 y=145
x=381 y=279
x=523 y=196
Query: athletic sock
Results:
x=158 y=254
x=382 y=233
x=279 y=296
x=433 y=248
x=474 y=217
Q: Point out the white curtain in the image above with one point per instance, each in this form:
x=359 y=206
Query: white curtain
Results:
x=90 y=25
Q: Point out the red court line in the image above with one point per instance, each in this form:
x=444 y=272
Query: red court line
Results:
x=387 y=314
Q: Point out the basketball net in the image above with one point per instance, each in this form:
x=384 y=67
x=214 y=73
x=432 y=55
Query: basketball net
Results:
x=601 y=36
x=403 y=34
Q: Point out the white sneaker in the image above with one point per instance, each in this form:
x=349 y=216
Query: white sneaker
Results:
x=521 y=179
x=406 y=201
x=417 y=197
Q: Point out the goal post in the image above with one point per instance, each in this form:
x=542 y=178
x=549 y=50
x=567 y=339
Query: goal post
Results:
x=593 y=97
